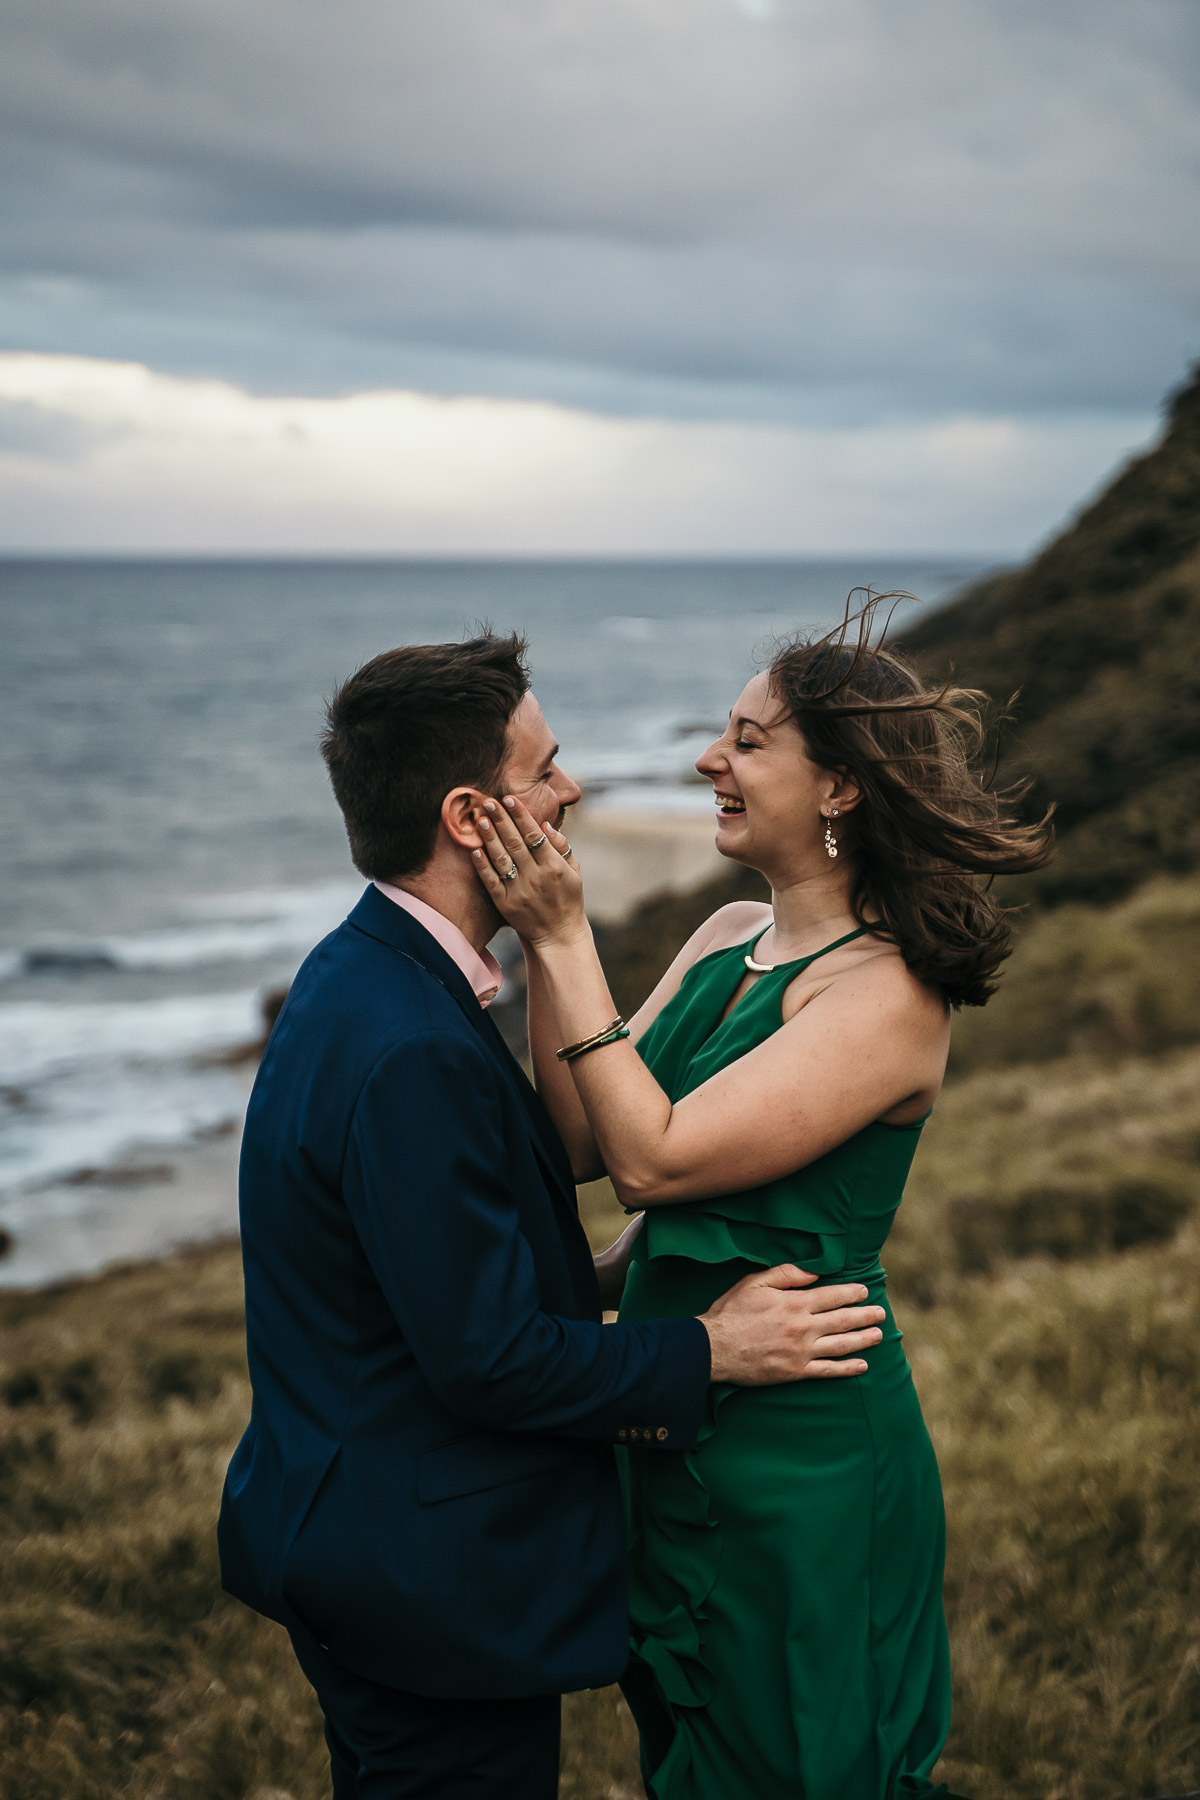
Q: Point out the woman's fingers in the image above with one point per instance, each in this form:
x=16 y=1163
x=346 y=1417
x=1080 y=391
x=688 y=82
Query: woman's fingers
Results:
x=532 y=883
x=503 y=825
x=493 y=857
x=514 y=827
x=533 y=836
x=558 y=842
x=487 y=872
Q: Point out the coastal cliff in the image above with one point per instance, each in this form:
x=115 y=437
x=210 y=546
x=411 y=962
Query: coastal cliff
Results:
x=1100 y=636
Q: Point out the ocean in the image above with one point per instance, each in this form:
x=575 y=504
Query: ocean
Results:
x=170 y=850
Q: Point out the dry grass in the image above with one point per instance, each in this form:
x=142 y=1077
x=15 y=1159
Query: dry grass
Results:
x=1062 y=1400
x=1062 y=1396
x=1110 y=981
x=1084 y=1128
x=123 y=1668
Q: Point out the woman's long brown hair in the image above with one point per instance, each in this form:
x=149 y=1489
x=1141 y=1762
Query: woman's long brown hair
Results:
x=930 y=831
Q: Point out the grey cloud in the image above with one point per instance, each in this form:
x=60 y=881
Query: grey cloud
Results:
x=634 y=203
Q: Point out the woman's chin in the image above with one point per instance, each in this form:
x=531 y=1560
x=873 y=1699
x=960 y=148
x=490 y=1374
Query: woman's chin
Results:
x=731 y=839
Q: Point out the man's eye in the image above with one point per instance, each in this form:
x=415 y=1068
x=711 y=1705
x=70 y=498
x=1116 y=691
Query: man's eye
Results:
x=744 y=744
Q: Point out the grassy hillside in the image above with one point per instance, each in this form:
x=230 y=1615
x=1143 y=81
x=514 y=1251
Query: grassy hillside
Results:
x=1113 y=981
x=1058 y=1379
x=1101 y=633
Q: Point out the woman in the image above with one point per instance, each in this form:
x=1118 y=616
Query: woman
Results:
x=787 y=1625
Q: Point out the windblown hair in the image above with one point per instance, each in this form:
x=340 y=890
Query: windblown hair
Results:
x=408 y=727
x=930 y=831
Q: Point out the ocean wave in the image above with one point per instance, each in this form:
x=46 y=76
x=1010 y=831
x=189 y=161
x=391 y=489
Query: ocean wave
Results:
x=85 y=1085
x=97 y=1119
x=279 y=924
x=657 y=750
x=41 y=1039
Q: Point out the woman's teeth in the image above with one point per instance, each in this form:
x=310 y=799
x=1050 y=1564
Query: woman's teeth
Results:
x=729 y=806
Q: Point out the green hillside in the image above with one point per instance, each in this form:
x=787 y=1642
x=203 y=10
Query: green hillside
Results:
x=1101 y=634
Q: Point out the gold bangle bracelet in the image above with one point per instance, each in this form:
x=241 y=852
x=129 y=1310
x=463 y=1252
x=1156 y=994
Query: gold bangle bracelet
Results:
x=609 y=1037
x=586 y=1043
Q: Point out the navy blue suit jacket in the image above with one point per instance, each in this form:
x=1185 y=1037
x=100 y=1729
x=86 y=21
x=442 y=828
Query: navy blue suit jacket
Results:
x=427 y=1483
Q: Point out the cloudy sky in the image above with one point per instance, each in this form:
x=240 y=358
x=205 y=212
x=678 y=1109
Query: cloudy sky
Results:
x=587 y=275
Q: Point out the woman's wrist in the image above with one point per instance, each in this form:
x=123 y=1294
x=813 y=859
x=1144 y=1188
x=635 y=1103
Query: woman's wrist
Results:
x=567 y=940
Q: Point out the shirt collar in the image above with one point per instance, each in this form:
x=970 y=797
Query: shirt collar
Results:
x=482 y=971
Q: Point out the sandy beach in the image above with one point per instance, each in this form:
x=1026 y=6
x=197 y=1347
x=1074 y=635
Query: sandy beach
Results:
x=628 y=854
x=154 y=1201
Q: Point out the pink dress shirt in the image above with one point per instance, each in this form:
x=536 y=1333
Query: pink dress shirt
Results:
x=483 y=972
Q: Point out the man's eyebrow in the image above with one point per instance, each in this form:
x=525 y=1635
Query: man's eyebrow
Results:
x=553 y=753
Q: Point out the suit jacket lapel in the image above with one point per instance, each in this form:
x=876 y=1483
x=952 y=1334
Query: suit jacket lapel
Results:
x=381 y=918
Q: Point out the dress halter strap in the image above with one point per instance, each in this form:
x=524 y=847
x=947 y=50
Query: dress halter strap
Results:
x=758 y=968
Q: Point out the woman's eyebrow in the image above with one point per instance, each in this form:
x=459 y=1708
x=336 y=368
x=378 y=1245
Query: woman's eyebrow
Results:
x=746 y=720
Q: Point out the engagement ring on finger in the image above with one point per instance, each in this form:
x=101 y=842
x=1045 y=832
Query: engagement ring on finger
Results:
x=511 y=873
x=537 y=842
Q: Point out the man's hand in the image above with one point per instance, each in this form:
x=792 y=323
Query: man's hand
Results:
x=764 y=1331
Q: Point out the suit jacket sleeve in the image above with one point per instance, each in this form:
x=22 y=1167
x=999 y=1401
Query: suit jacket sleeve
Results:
x=427 y=1184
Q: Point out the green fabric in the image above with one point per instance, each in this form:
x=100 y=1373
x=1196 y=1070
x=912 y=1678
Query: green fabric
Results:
x=788 y=1637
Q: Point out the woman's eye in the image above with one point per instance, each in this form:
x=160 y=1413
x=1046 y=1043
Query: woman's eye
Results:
x=741 y=744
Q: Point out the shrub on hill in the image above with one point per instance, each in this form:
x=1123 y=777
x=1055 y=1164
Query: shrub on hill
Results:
x=1113 y=981
x=1101 y=635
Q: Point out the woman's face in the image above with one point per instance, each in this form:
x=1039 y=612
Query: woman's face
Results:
x=769 y=793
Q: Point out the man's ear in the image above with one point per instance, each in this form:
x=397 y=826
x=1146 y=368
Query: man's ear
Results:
x=458 y=817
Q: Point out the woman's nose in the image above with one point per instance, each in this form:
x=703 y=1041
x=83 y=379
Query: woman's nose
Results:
x=710 y=762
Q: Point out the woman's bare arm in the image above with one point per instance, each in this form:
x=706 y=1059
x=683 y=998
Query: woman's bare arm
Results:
x=729 y=925
x=552 y=1078
x=861 y=1046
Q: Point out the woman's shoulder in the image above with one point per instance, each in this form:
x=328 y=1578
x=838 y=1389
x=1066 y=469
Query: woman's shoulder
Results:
x=731 y=924
x=875 y=978
x=735 y=923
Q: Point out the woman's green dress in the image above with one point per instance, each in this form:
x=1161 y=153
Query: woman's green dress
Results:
x=788 y=1637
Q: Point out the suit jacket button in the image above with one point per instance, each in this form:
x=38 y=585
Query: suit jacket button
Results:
x=662 y=1434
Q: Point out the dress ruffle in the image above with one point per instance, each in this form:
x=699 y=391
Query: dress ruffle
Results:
x=781 y=1221
x=807 y=1218
x=670 y=1592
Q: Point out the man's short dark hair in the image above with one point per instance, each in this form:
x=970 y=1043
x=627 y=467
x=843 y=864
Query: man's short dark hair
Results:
x=408 y=727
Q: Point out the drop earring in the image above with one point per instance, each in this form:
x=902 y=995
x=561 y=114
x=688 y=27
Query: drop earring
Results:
x=830 y=840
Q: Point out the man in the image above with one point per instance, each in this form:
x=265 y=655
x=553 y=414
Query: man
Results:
x=426 y=1495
